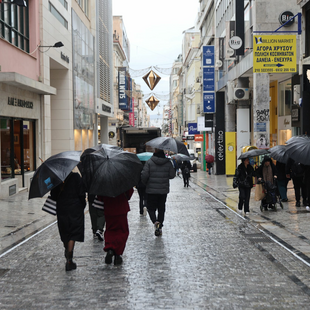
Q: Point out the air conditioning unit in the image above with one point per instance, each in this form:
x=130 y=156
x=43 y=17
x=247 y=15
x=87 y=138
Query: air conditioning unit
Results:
x=241 y=93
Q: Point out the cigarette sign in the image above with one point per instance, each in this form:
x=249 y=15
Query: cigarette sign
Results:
x=274 y=54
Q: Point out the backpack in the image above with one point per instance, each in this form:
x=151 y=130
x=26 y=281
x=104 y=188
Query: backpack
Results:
x=298 y=170
x=186 y=171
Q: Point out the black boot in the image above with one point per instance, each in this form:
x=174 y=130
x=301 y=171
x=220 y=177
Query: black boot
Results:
x=118 y=260
x=70 y=264
x=109 y=256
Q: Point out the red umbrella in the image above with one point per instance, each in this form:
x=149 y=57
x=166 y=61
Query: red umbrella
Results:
x=209 y=158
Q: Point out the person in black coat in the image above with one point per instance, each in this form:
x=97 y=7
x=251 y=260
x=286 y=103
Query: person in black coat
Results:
x=244 y=180
x=282 y=180
x=70 y=204
x=186 y=168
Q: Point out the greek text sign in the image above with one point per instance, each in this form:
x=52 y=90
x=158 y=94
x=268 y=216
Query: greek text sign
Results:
x=274 y=53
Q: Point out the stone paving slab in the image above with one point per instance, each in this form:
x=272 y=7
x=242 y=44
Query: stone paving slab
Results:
x=207 y=258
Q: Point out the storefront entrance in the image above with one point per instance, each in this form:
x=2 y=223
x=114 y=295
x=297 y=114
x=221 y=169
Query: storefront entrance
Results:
x=18 y=147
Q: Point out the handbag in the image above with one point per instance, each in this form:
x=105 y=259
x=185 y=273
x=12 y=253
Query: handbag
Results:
x=259 y=192
x=98 y=204
x=49 y=206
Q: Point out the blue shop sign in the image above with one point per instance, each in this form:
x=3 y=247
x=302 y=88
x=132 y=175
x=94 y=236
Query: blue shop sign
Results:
x=208 y=103
x=208 y=55
x=208 y=79
x=260 y=127
x=193 y=129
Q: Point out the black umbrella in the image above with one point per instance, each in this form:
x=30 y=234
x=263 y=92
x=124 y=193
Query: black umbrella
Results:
x=52 y=172
x=299 y=149
x=168 y=144
x=94 y=149
x=111 y=172
x=253 y=153
x=181 y=157
x=279 y=153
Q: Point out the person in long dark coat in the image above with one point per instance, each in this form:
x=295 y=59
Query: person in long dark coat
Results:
x=244 y=176
x=117 y=230
x=70 y=204
x=186 y=173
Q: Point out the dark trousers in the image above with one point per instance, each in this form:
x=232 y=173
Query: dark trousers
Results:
x=186 y=180
x=282 y=186
x=299 y=185
x=244 y=198
x=142 y=197
x=116 y=233
x=156 y=202
x=97 y=217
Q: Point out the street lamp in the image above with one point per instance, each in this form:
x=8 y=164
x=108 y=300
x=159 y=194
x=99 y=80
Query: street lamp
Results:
x=57 y=44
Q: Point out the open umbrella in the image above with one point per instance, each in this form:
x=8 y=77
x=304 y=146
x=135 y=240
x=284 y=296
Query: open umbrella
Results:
x=279 y=153
x=168 y=144
x=299 y=150
x=52 y=172
x=145 y=156
x=181 y=157
x=111 y=172
x=253 y=153
x=209 y=158
x=93 y=149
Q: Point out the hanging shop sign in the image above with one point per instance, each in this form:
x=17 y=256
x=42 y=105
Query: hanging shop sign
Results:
x=122 y=81
x=198 y=138
x=208 y=55
x=208 y=79
x=193 y=129
x=285 y=17
x=208 y=103
x=274 y=54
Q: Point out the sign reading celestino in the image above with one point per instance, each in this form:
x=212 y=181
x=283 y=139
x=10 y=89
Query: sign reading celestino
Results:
x=274 y=54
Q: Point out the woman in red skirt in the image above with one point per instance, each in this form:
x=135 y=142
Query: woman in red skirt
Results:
x=117 y=231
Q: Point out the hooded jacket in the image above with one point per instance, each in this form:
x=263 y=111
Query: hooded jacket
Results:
x=156 y=174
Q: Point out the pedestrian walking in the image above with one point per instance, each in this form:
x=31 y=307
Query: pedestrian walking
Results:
x=296 y=171
x=70 y=204
x=186 y=168
x=117 y=230
x=155 y=175
x=282 y=180
x=97 y=218
x=142 y=198
x=243 y=179
x=209 y=166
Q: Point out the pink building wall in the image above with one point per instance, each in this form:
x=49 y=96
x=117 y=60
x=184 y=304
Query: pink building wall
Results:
x=13 y=59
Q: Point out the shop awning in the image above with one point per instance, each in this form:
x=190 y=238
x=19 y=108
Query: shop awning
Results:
x=21 y=81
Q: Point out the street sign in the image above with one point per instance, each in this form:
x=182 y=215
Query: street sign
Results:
x=208 y=55
x=208 y=79
x=208 y=103
x=274 y=54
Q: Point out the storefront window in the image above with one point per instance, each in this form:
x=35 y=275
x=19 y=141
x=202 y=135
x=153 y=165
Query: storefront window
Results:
x=5 y=140
x=17 y=147
x=285 y=101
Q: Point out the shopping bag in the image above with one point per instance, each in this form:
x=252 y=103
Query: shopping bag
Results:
x=259 y=192
x=98 y=204
x=49 y=206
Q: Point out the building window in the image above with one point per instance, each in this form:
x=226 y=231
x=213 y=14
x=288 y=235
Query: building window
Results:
x=64 y=3
x=83 y=5
x=14 y=25
x=59 y=17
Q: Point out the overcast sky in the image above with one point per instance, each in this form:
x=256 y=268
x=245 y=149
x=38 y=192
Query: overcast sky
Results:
x=154 y=29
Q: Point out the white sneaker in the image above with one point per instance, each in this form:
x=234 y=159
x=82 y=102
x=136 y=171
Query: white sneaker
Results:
x=144 y=211
x=239 y=211
x=247 y=213
x=308 y=208
x=99 y=234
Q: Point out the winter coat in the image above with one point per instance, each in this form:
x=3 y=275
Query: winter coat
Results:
x=244 y=176
x=156 y=174
x=116 y=205
x=281 y=171
x=70 y=198
x=259 y=171
x=188 y=165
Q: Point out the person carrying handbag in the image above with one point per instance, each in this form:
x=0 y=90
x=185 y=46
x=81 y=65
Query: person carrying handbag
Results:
x=243 y=179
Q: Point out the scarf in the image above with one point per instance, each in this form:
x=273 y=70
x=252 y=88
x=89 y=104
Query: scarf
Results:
x=267 y=174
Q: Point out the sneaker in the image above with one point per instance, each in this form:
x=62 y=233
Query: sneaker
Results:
x=94 y=236
x=297 y=204
x=109 y=256
x=308 y=208
x=246 y=213
x=239 y=211
x=99 y=234
x=144 y=211
x=158 y=231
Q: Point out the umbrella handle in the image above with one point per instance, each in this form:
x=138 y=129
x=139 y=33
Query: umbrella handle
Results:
x=41 y=159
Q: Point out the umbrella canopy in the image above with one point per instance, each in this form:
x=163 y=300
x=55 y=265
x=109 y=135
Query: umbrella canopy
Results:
x=181 y=157
x=52 y=172
x=279 y=153
x=209 y=158
x=110 y=172
x=253 y=153
x=297 y=139
x=299 y=150
x=145 y=156
x=94 y=149
x=168 y=144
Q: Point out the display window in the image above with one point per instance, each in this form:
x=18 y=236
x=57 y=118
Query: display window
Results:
x=17 y=147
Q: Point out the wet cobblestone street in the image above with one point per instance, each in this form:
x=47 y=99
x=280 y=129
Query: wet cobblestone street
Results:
x=208 y=258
